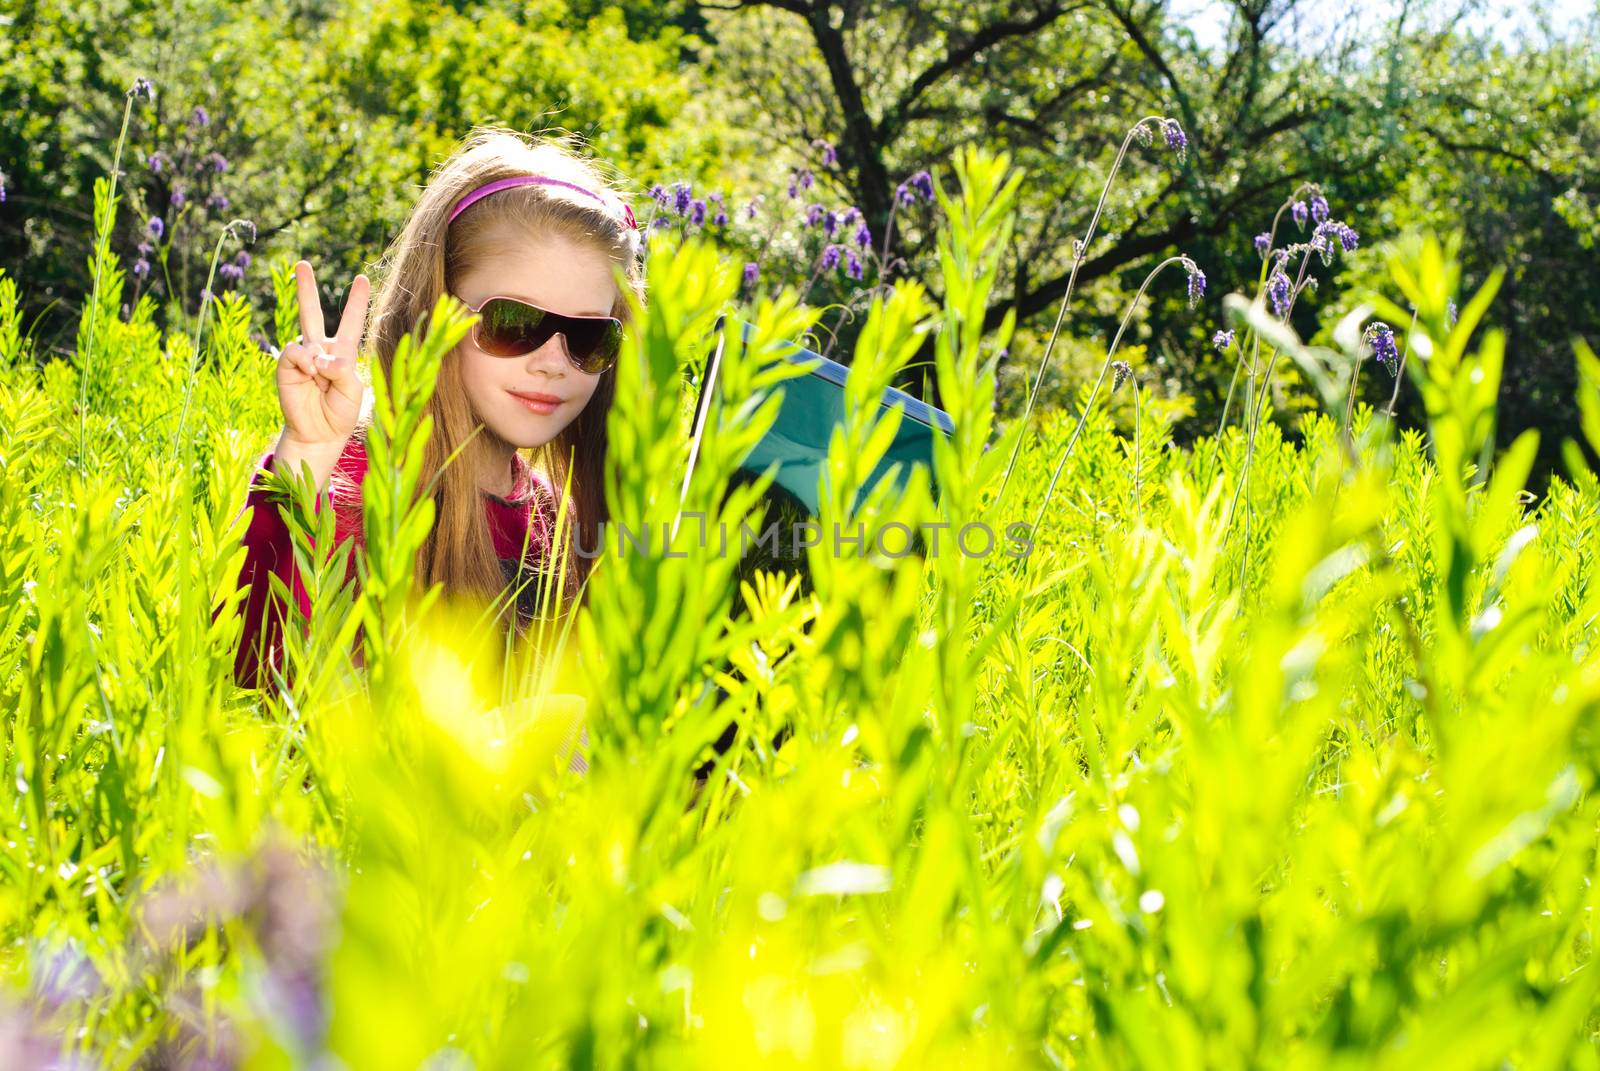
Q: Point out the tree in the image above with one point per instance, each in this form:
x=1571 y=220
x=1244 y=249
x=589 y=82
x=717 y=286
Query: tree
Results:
x=1510 y=159
x=327 y=119
x=1291 y=96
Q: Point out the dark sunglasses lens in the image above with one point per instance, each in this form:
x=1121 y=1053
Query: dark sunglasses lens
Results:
x=593 y=343
x=510 y=328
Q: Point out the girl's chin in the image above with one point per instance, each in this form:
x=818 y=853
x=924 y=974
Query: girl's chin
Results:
x=530 y=431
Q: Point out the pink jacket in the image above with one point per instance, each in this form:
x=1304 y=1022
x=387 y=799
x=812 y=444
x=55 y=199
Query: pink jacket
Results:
x=530 y=512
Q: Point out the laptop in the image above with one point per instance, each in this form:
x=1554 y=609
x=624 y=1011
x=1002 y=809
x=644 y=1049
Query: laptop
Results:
x=812 y=406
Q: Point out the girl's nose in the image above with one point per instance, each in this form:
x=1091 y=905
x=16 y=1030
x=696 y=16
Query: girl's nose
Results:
x=550 y=357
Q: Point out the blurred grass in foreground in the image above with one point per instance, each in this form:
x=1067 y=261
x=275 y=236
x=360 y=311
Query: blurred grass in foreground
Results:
x=1315 y=792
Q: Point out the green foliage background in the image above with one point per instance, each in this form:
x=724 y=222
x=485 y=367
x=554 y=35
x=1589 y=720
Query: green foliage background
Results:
x=331 y=114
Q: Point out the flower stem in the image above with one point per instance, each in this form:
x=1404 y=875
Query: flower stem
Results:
x=1072 y=278
x=1261 y=281
x=1261 y=403
x=1105 y=366
x=102 y=250
x=1399 y=372
x=1138 y=420
x=888 y=229
x=1272 y=235
x=1350 y=408
x=209 y=299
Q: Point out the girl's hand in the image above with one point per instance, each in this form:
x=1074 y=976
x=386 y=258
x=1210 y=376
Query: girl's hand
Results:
x=318 y=388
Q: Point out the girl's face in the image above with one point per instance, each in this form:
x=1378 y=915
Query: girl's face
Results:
x=529 y=400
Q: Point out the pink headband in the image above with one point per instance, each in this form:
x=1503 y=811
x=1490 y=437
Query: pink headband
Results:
x=529 y=180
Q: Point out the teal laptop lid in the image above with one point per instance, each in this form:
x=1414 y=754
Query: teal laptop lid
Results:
x=812 y=406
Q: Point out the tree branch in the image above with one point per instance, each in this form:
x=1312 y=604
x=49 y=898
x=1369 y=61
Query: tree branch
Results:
x=955 y=58
x=1147 y=49
x=861 y=148
x=1490 y=150
x=1136 y=246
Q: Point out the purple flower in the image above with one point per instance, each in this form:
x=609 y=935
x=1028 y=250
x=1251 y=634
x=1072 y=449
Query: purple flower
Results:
x=142 y=88
x=918 y=185
x=1278 y=291
x=1322 y=247
x=752 y=273
x=1381 y=336
x=863 y=235
x=1345 y=234
x=206 y=295
x=179 y=197
x=141 y=267
x=852 y=264
x=1197 y=284
x=1263 y=243
x=1121 y=371
x=659 y=194
x=721 y=218
x=217 y=200
x=145 y=249
x=697 y=212
x=660 y=223
x=156 y=162
x=288 y=910
x=1450 y=310
x=829 y=155
x=199 y=118
x=1177 y=140
x=830 y=223
x=814 y=213
x=25 y=1042
x=1222 y=340
x=805 y=179
x=1319 y=207
x=682 y=195
x=830 y=257
x=243 y=259
x=231 y=272
x=155 y=228
x=218 y=162
x=2 y=187
x=750 y=207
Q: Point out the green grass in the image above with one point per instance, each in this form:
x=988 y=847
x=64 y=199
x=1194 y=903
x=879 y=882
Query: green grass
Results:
x=1310 y=788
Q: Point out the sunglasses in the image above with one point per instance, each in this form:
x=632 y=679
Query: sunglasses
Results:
x=508 y=327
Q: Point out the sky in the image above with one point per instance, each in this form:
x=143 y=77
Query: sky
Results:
x=1208 y=19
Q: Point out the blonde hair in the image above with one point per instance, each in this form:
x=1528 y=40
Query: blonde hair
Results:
x=427 y=259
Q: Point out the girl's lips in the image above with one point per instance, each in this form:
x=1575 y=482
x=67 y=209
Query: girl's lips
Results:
x=536 y=402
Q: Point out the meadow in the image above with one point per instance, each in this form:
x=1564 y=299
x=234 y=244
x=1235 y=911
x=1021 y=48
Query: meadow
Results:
x=1273 y=751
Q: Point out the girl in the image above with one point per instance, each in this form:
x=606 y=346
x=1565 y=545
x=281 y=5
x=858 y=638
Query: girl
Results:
x=526 y=233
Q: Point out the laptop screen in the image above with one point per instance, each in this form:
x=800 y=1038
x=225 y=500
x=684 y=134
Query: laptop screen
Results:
x=812 y=406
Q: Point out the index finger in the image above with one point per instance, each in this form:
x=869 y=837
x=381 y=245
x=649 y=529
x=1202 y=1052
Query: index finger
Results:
x=354 y=319
x=305 y=283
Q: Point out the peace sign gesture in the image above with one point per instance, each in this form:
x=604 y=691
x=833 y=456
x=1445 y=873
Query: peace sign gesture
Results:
x=318 y=388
